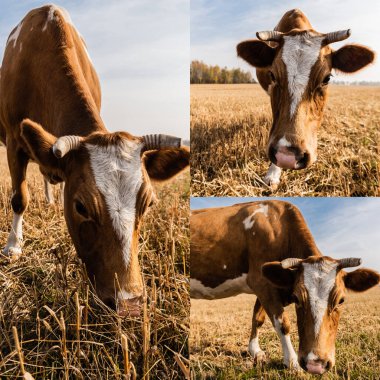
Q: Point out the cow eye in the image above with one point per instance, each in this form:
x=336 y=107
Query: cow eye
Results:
x=272 y=77
x=326 y=80
x=341 y=301
x=81 y=209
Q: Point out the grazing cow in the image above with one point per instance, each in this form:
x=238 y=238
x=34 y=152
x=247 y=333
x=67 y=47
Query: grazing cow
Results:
x=266 y=248
x=50 y=113
x=293 y=65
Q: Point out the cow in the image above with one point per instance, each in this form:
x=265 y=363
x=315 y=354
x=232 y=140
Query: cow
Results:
x=265 y=248
x=50 y=102
x=294 y=64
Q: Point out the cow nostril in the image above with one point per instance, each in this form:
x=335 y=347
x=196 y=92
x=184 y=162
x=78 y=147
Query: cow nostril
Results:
x=303 y=160
x=328 y=365
x=272 y=154
x=110 y=302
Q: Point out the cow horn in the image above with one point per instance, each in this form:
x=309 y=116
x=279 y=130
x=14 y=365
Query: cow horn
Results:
x=340 y=35
x=271 y=35
x=155 y=142
x=291 y=263
x=66 y=143
x=349 y=262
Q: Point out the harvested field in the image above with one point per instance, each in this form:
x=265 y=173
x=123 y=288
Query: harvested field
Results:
x=220 y=331
x=63 y=329
x=229 y=132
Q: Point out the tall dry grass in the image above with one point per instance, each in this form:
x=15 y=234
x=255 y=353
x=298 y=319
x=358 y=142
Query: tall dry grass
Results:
x=229 y=132
x=63 y=330
x=220 y=331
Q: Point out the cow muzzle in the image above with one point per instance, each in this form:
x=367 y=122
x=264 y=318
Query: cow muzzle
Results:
x=316 y=366
x=289 y=157
x=129 y=307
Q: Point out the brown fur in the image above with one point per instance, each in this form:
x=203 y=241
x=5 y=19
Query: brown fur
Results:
x=300 y=129
x=50 y=89
x=219 y=237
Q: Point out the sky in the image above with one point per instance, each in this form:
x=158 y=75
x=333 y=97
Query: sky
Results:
x=140 y=50
x=217 y=26
x=342 y=227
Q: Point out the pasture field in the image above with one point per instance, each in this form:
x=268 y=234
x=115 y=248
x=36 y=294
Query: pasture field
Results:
x=64 y=331
x=229 y=131
x=220 y=331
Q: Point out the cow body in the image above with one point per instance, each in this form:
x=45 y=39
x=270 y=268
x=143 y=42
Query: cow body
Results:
x=246 y=249
x=50 y=102
x=294 y=65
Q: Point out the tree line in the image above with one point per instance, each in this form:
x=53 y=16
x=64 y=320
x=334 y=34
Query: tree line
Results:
x=200 y=72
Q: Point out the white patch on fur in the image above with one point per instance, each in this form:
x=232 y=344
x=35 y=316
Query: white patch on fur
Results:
x=254 y=347
x=118 y=176
x=228 y=288
x=299 y=54
x=14 y=242
x=49 y=196
x=50 y=17
x=319 y=280
x=311 y=356
x=224 y=266
x=249 y=221
x=290 y=356
x=14 y=36
x=272 y=178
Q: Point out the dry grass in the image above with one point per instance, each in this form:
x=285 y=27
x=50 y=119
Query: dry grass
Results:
x=220 y=332
x=229 y=132
x=63 y=329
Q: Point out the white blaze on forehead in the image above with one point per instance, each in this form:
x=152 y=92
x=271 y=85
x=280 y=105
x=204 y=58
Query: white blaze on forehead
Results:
x=14 y=36
x=299 y=55
x=319 y=280
x=118 y=176
x=249 y=221
x=228 y=288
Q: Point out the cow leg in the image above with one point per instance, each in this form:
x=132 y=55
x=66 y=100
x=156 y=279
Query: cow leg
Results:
x=272 y=178
x=258 y=319
x=17 y=162
x=49 y=196
x=280 y=321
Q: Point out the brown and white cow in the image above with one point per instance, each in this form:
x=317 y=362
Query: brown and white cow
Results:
x=50 y=113
x=294 y=65
x=265 y=248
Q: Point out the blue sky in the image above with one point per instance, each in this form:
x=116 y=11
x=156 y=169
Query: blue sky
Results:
x=342 y=227
x=217 y=26
x=140 y=49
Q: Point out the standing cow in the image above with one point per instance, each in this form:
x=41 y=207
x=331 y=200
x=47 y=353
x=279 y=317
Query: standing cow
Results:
x=266 y=248
x=293 y=65
x=50 y=113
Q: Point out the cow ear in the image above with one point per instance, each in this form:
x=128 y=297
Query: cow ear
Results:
x=351 y=58
x=361 y=279
x=39 y=143
x=277 y=275
x=257 y=53
x=165 y=163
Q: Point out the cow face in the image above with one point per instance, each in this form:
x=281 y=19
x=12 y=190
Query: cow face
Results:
x=318 y=287
x=107 y=191
x=295 y=73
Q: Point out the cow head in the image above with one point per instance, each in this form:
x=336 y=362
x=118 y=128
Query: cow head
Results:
x=107 y=191
x=295 y=71
x=318 y=287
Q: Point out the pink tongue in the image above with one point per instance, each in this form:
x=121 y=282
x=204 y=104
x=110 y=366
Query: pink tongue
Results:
x=286 y=161
x=315 y=368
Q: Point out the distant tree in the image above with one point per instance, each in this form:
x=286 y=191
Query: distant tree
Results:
x=203 y=73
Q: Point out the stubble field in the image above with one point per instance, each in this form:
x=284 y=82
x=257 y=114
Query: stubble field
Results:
x=229 y=131
x=64 y=331
x=220 y=331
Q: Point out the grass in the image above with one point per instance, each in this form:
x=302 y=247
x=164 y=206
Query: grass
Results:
x=220 y=331
x=64 y=331
x=229 y=132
